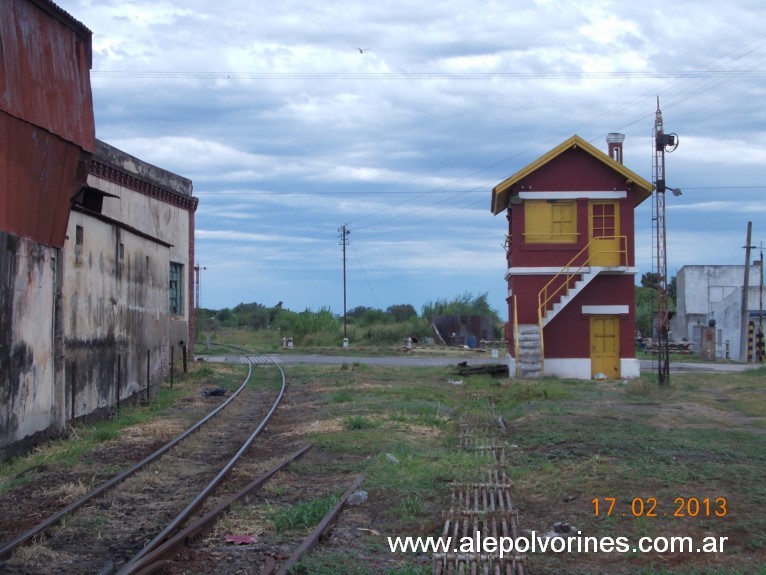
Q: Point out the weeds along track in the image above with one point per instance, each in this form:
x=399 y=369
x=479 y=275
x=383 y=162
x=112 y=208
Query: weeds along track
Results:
x=114 y=527
x=481 y=509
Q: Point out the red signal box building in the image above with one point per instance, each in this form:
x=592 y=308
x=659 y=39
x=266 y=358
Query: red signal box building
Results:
x=571 y=262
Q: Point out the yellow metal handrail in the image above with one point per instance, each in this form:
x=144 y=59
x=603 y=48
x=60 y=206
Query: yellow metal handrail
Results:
x=542 y=349
x=515 y=336
x=543 y=297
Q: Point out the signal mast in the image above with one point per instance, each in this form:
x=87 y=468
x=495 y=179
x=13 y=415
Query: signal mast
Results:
x=662 y=143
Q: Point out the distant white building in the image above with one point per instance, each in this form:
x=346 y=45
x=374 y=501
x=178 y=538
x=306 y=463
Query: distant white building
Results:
x=708 y=293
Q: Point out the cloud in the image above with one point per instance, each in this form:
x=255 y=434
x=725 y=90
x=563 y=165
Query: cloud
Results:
x=288 y=131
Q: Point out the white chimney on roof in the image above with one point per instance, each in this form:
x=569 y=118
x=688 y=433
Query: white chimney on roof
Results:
x=614 y=141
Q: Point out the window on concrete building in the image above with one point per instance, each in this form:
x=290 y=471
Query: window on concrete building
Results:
x=78 y=235
x=550 y=222
x=176 y=288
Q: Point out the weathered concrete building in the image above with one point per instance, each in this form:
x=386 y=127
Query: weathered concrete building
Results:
x=160 y=205
x=47 y=136
x=714 y=292
x=96 y=246
x=127 y=292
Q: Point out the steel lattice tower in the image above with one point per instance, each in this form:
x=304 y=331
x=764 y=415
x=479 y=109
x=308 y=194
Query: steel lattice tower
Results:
x=662 y=141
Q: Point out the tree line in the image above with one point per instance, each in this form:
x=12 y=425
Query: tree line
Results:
x=646 y=301
x=368 y=325
x=323 y=327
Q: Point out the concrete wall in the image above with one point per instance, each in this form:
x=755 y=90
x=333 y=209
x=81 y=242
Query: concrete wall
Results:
x=114 y=311
x=728 y=315
x=30 y=399
x=164 y=221
x=714 y=292
x=158 y=203
x=103 y=340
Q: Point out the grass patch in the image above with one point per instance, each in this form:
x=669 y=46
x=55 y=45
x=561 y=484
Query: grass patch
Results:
x=641 y=388
x=305 y=514
x=348 y=563
x=566 y=440
x=343 y=396
x=357 y=422
x=324 y=563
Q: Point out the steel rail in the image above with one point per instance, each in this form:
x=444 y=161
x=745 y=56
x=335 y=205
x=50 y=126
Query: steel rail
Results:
x=197 y=502
x=320 y=530
x=161 y=555
x=8 y=547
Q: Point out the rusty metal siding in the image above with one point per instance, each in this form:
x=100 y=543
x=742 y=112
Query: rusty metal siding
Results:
x=47 y=131
x=39 y=173
x=45 y=63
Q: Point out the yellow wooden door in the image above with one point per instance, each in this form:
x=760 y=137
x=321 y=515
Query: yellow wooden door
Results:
x=605 y=346
x=603 y=233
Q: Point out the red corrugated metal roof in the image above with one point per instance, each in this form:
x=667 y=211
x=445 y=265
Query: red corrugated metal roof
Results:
x=45 y=62
x=65 y=17
x=47 y=131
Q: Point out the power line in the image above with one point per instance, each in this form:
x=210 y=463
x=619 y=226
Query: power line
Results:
x=341 y=192
x=364 y=273
x=169 y=75
x=415 y=192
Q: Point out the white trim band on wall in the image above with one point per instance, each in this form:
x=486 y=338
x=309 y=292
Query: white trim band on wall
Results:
x=552 y=270
x=607 y=195
x=605 y=309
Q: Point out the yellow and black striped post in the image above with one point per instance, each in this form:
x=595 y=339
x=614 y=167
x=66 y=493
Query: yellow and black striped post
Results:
x=750 y=341
x=760 y=347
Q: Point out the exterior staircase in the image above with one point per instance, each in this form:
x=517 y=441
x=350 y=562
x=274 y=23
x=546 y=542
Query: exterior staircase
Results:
x=529 y=360
x=586 y=276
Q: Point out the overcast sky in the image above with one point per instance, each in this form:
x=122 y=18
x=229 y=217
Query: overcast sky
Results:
x=397 y=118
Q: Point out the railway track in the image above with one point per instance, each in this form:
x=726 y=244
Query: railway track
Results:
x=140 y=520
x=116 y=525
x=484 y=508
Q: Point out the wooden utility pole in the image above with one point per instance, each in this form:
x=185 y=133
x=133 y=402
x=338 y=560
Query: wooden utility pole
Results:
x=743 y=355
x=344 y=231
x=759 y=346
x=760 y=295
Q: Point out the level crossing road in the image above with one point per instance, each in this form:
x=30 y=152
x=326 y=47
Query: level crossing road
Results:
x=647 y=366
x=393 y=361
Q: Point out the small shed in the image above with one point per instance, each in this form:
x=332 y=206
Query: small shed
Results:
x=464 y=330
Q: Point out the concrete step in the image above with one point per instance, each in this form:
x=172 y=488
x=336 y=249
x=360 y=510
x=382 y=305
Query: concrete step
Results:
x=530 y=358
x=532 y=330
x=528 y=367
